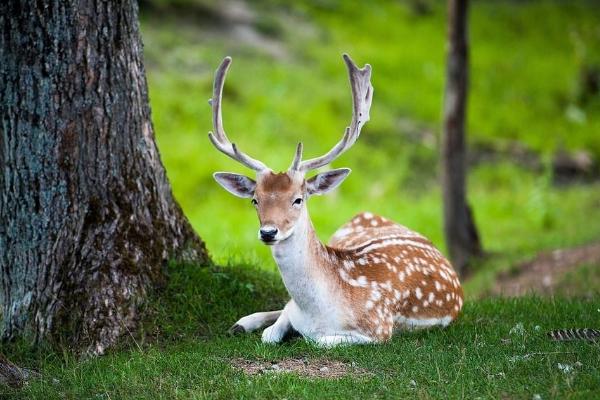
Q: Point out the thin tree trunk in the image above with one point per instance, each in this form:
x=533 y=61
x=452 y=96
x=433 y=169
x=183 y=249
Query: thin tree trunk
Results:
x=461 y=234
x=88 y=219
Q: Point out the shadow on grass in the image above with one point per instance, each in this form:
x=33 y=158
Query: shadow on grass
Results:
x=203 y=302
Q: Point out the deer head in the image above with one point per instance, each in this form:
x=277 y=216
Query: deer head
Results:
x=280 y=198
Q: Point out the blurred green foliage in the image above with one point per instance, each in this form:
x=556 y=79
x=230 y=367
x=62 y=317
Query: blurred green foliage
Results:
x=287 y=84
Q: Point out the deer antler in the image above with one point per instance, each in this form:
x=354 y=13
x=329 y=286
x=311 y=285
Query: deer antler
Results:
x=362 y=95
x=219 y=138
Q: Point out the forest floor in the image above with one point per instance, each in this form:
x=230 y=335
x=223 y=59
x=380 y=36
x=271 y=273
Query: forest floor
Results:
x=498 y=348
x=571 y=272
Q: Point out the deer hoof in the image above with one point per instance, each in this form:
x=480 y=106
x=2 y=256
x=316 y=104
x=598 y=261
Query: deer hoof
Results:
x=236 y=329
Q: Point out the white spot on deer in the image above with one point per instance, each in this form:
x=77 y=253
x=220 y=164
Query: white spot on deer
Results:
x=456 y=307
x=418 y=293
x=379 y=243
x=448 y=296
x=460 y=302
x=431 y=297
x=439 y=303
x=361 y=281
x=401 y=276
x=415 y=309
x=438 y=286
x=369 y=304
x=375 y=295
x=406 y=294
x=367 y=215
x=425 y=303
x=344 y=275
x=423 y=282
x=362 y=261
x=374 y=222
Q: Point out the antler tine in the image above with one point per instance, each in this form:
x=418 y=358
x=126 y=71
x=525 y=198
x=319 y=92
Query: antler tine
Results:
x=297 y=158
x=362 y=96
x=219 y=138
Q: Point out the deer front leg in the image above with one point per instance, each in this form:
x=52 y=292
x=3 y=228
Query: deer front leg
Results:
x=255 y=321
x=276 y=332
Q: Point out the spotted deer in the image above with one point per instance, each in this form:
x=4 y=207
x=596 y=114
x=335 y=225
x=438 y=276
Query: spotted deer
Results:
x=374 y=276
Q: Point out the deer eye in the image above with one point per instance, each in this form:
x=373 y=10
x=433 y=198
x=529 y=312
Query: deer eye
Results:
x=254 y=202
x=298 y=201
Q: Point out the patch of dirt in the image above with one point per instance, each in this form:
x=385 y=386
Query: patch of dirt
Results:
x=568 y=167
x=541 y=274
x=319 y=368
x=515 y=152
x=235 y=19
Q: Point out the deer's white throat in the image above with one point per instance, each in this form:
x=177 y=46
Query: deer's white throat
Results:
x=295 y=257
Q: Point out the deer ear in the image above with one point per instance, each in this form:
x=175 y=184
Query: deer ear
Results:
x=326 y=181
x=238 y=185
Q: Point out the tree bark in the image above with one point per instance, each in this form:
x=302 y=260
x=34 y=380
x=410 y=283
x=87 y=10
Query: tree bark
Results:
x=461 y=234
x=88 y=219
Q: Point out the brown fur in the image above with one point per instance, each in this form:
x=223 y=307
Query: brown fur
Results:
x=275 y=194
x=420 y=264
x=270 y=182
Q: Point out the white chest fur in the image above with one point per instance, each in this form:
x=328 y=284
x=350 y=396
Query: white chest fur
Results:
x=317 y=305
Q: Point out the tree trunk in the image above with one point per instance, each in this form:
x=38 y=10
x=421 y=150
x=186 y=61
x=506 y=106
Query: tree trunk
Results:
x=88 y=219
x=461 y=234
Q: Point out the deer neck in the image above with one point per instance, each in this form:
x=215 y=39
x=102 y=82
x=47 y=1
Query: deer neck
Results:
x=302 y=265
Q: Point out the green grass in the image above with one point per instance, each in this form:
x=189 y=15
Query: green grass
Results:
x=496 y=349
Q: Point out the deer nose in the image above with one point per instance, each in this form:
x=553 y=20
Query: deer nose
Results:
x=267 y=233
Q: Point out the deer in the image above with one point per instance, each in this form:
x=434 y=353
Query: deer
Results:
x=374 y=277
